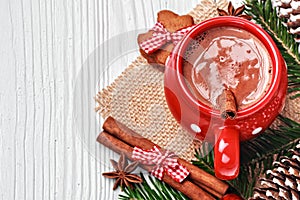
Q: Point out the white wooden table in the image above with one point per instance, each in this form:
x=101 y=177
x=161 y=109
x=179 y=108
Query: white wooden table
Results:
x=46 y=46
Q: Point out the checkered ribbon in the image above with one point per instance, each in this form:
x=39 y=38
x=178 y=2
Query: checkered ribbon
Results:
x=161 y=36
x=164 y=161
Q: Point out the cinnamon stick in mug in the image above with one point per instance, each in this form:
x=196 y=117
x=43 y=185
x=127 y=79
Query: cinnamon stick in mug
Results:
x=188 y=188
x=227 y=104
x=127 y=135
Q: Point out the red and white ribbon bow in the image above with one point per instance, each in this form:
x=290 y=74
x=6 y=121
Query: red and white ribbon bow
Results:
x=164 y=161
x=161 y=36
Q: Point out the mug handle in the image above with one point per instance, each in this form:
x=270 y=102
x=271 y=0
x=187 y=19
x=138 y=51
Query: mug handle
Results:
x=227 y=153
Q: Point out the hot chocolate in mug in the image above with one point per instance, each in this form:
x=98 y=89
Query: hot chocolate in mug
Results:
x=226 y=53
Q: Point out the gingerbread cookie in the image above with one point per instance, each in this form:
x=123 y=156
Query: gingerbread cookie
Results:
x=156 y=44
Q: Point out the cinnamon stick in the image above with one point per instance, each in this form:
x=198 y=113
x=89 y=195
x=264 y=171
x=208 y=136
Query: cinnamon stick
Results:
x=188 y=188
x=127 y=135
x=227 y=102
x=209 y=190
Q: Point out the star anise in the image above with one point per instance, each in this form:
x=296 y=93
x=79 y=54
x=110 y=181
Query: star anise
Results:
x=234 y=12
x=123 y=174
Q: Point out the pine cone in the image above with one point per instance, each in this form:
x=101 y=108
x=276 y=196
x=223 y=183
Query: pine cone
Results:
x=283 y=182
x=289 y=10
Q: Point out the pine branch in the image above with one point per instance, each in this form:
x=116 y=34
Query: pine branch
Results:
x=263 y=14
x=151 y=189
x=271 y=142
x=205 y=158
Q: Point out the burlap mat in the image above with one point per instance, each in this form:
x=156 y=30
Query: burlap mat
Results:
x=136 y=98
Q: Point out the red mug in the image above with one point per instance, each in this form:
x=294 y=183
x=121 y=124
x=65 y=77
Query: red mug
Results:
x=205 y=122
